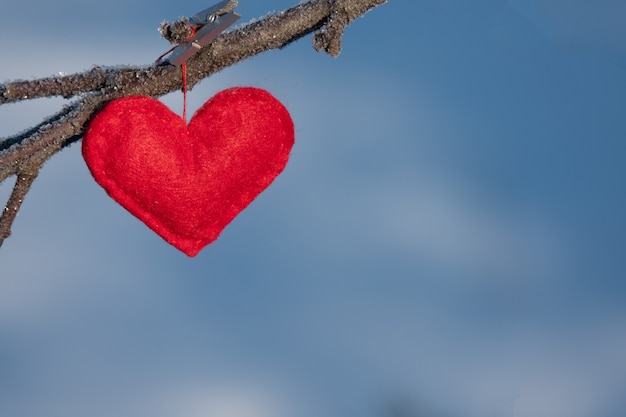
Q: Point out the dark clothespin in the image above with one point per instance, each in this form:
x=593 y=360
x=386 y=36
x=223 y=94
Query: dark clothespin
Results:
x=207 y=25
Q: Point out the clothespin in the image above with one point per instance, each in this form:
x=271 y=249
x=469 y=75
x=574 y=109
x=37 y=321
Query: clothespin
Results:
x=208 y=24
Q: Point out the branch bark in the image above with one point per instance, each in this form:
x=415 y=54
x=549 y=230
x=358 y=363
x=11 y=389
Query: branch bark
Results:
x=24 y=154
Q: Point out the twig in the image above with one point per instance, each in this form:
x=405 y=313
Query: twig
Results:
x=22 y=185
x=329 y=38
x=28 y=151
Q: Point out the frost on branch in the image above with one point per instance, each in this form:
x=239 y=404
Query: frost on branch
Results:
x=23 y=154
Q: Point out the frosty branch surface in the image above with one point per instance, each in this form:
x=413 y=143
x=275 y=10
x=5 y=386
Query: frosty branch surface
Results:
x=329 y=17
x=25 y=153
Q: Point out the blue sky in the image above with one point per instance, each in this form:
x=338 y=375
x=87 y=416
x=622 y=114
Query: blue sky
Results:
x=449 y=233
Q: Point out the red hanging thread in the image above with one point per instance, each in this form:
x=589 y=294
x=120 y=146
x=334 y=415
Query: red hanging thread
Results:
x=183 y=68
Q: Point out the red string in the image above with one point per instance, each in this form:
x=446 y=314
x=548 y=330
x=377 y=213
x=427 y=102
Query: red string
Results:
x=183 y=67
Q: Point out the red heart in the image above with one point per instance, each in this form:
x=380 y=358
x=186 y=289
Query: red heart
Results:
x=187 y=183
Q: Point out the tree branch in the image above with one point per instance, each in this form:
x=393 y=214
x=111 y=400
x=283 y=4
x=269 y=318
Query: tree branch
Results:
x=22 y=186
x=24 y=154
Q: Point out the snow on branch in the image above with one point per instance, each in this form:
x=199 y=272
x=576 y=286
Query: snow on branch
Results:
x=24 y=154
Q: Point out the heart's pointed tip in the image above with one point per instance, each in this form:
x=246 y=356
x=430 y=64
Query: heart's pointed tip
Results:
x=191 y=249
x=190 y=246
x=191 y=253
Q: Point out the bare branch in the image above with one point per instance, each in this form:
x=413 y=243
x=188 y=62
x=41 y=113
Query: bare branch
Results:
x=27 y=152
x=272 y=32
x=329 y=38
x=22 y=185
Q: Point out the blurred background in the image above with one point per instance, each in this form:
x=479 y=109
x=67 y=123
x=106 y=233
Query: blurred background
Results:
x=448 y=238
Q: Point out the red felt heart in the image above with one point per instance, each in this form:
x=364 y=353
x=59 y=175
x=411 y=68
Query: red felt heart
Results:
x=188 y=182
